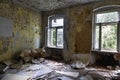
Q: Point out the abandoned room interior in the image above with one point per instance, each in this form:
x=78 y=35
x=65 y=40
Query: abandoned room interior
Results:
x=59 y=39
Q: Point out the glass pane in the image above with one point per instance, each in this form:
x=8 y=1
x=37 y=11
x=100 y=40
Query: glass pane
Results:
x=57 y=22
x=107 y=17
x=60 y=37
x=109 y=37
x=51 y=37
x=97 y=37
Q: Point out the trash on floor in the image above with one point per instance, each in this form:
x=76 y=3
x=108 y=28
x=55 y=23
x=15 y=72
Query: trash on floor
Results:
x=16 y=77
x=71 y=74
x=37 y=61
x=43 y=69
x=64 y=78
x=28 y=55
x=78 y=65
x=86 y=77
x=2 y=67
x=35 y=70
x=55 y=65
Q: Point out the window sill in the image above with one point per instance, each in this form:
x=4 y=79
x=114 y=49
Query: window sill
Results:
x=111 y=52
x=55 y=47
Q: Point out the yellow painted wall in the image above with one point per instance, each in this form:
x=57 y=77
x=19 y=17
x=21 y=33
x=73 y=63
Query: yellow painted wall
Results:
x=80 y=25
x=26 y=30
x=78 y=33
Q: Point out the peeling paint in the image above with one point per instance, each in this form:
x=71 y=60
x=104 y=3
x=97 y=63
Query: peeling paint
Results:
x=27 y=25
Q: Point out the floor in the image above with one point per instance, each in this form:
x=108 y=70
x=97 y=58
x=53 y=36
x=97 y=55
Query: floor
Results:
x=52 y=70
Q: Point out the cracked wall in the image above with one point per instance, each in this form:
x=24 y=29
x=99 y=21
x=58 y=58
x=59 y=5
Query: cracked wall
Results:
x=26 y=30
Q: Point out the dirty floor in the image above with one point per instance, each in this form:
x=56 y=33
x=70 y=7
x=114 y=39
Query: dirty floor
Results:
x=52 y=70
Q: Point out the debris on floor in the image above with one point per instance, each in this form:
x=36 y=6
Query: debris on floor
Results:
x=7 y=63
x=116 y=57
x=29 y=55
x=55 y=65
x=35 y=53
x=70 y=74
x=37 y=61
x=64 y=78
x=48 y=70
x=2 y=67
x=16 y=77
x=78 y=65
x=35 y=70
x=44 y=69
x=86 y=77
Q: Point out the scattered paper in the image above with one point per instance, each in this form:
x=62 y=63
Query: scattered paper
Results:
x=71 y=74
x=16 y=77
x=35 y=70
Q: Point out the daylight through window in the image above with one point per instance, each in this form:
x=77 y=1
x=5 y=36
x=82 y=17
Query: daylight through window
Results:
x=55 y=31
x=106 y=31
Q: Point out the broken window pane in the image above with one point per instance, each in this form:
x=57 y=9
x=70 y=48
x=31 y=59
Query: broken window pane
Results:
x=107 y=17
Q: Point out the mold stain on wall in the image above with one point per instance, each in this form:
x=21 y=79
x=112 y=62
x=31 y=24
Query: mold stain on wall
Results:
x=83 y=30
x=26 y=30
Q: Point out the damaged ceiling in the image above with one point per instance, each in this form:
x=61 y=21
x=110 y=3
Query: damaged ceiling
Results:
x=47 y=5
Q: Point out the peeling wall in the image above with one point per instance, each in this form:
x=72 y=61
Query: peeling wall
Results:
x=26 y=30
x=78 y=31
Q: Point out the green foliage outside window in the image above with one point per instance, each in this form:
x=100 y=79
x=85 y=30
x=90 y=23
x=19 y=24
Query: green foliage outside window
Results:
x=108 y=37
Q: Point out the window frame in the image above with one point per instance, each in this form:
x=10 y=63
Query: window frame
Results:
x=105 y=9
x=56 y=29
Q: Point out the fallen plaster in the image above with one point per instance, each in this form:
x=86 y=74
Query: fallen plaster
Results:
x=52 y=70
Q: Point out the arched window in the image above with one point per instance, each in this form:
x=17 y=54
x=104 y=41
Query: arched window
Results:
x=106 y=31
x=54 y=31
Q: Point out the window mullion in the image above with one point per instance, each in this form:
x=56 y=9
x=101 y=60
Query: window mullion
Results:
x=118 y=34
x=100 y=34
x=118 y=37
x=50 y=37
x=56 y=30
x=46 y=38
